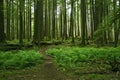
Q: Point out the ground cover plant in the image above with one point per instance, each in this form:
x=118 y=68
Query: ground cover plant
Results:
x=91 y=61
x=19 y=59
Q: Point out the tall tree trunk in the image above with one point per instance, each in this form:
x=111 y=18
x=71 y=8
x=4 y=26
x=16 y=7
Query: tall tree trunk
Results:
x=35 y=23
x=78 y=19
x=53 y=19
x=8 y=20
x=91 y=19
x=61 y=23
x=83 y=21
x=65 y=20
x=21 y=22
x=40 y=18
x=29 y=31
x=2 y=34
x=17 y=21
x=116 y=27
x=49 y=26
x=12 y=26
x=72 y=21
x=46 y=20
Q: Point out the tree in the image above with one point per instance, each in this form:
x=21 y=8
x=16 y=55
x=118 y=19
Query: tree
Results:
x=40 y=18
x=45 y=20
x=21 y=21
x=28 y=20
x=46 y=31
x=116 y=26
x=8 y=20
x=72 y=21
x=83 y=21
x=38 y=21
x=112 y=20
x=65 y=20
x=12 y=20
x=54 y=18
x=49 y=13
x=2 y=34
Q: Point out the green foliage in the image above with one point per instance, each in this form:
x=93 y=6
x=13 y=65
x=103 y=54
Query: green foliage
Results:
x=74 y=57
x=19 y=59
x=110 y=19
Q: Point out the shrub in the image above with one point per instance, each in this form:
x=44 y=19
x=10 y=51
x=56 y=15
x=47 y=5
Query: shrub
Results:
x=19 y=59
x=71 y=57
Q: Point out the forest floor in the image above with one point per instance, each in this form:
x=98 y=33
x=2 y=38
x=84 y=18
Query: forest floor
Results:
x=48 y=70
x=45 y=71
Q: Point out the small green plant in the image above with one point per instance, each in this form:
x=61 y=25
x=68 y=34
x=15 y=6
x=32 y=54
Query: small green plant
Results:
x=19 y=59
x=74 y=57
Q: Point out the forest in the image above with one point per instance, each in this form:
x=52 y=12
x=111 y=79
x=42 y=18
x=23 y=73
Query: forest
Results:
x=72 y=39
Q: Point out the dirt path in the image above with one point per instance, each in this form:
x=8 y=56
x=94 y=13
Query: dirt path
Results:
x=49 y=69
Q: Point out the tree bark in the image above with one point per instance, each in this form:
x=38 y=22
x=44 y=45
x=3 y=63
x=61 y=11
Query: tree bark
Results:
x=2 y=34
x=83 y=21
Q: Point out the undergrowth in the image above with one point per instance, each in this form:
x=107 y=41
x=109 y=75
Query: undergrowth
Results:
x=20 y=59
x=75 y=58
